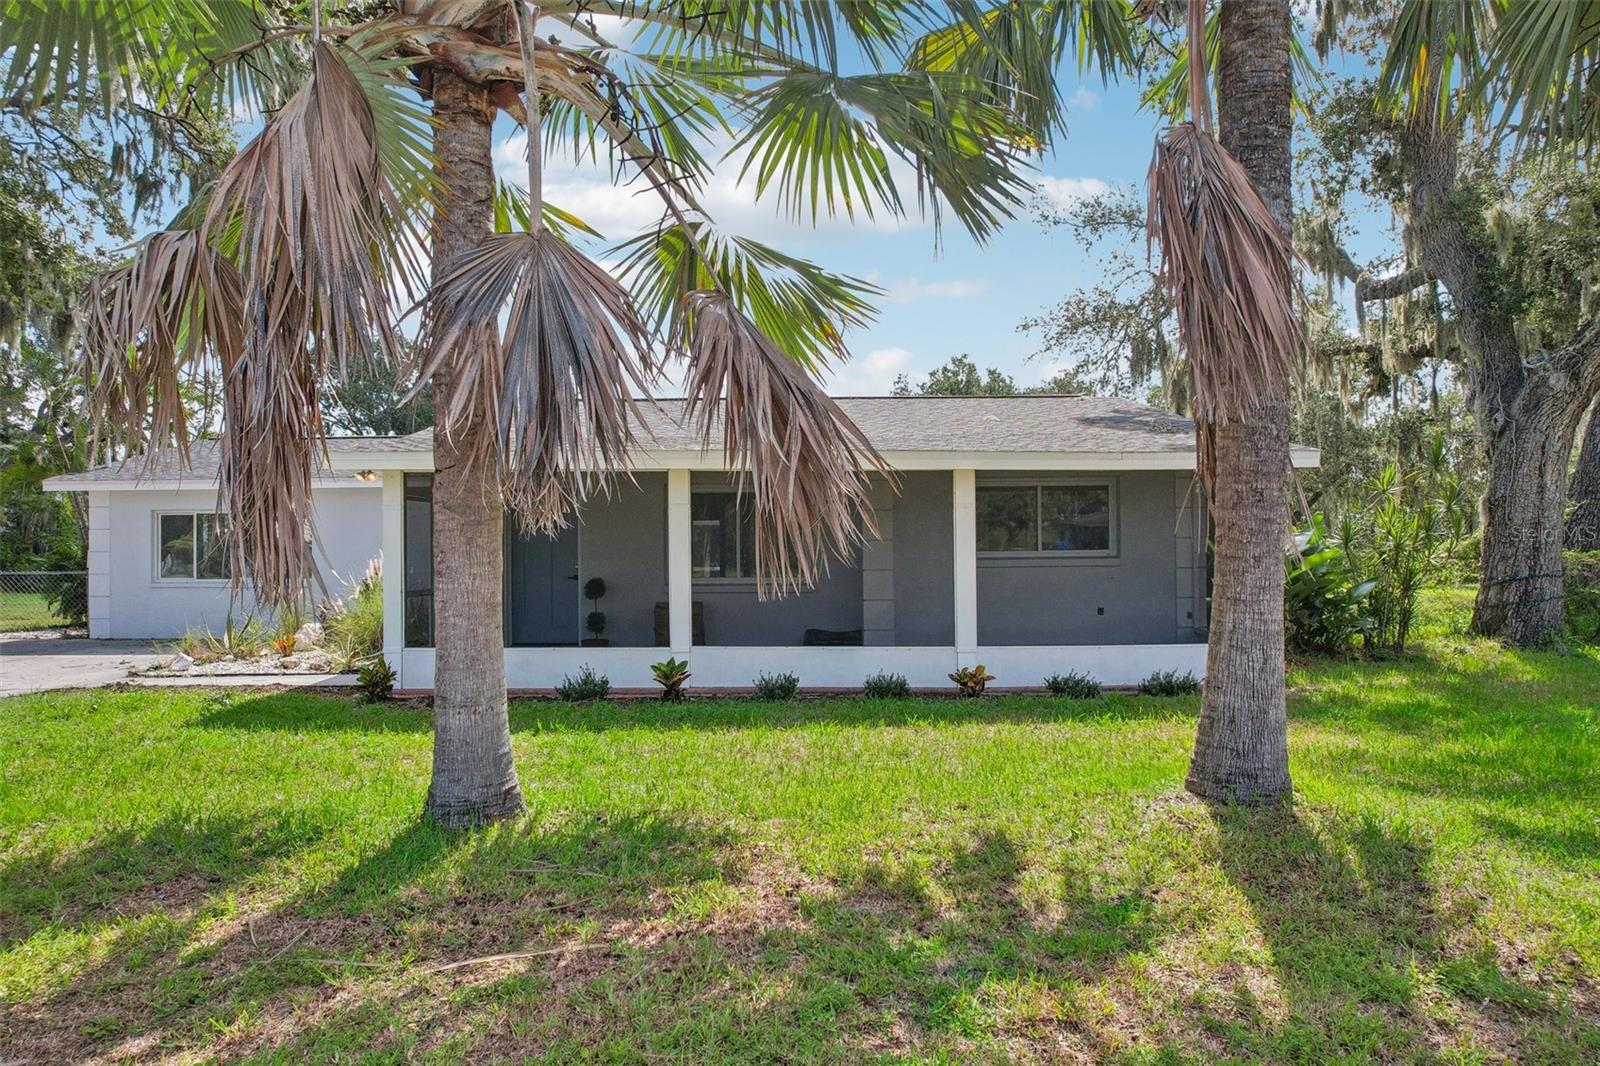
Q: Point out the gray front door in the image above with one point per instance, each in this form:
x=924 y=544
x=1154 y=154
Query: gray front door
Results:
x=541 y=587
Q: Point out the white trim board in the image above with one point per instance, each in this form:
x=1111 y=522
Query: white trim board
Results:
x=923 y=667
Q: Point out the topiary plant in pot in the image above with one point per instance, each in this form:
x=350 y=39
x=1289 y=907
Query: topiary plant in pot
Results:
x=595 y=621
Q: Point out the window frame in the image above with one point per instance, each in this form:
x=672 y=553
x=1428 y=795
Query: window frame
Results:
x=720 y=580
x=1038 y=485
x=194 y=515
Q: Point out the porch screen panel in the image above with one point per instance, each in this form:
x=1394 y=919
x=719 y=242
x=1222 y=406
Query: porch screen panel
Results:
x=418 y=566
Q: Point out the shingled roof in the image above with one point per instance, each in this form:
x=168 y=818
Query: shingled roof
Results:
x=1021 y=425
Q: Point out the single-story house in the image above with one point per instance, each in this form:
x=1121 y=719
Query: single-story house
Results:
x=1032 y=534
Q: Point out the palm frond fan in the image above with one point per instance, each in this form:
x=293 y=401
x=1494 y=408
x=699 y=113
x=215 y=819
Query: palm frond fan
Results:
x=1226 y=267
x=808 y=462
x=547 y=397
x=310 y=211
x=149 y=326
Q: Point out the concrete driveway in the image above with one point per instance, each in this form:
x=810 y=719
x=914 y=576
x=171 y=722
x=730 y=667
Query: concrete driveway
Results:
x=33 y=663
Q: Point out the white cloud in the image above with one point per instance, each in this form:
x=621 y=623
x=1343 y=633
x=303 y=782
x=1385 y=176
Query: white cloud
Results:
x=913 y=290
x=1083 y=98
x=871 y=374
x=1068 y=191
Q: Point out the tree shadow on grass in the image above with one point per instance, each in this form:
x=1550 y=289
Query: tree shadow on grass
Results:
x=168 y=865
x=297 y=713
x=795 y=970
x=894 y=960
x=1362 y=949
x=422 y=897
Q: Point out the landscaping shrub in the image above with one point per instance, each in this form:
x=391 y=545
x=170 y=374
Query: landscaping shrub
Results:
x=67 y=596
x=971 y=680
x=1583 y=596
x=355 y=622
x=1324 y=599
x=671 y=674
x=376 y=681
x=240 y=640
x=587 y=685
x=1170 y=683
x=886 y=686
x=1404 y=540
x=776 y=687
x=1073 y=685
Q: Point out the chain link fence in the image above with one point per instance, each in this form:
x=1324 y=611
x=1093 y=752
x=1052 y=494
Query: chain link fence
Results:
x=43 y=599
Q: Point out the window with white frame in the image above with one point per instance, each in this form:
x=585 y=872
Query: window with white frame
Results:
x=1044 y=517
x=191 y=547
x=722 y=537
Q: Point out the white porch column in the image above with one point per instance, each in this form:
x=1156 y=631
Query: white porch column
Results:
x=964 y=508
x=99 y=560
x=680 y=570
x=394 y=572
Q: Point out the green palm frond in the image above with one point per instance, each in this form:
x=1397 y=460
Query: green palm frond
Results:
x=511 y=214
x=169 y=54
x=1545 y=59
x=803 y=308
x=821 y=143
x=1015 y=49
x=809 y=31
x=1436 y=56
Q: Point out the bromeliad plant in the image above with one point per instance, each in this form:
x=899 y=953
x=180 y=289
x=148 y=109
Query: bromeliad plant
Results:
x=295 y=264
x=671 y=674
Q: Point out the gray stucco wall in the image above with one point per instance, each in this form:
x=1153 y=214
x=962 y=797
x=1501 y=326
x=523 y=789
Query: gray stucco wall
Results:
x=140 y=606
x=924 y=561
x=1128 y=598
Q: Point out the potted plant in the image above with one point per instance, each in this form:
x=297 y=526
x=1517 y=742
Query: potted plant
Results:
x=595 y=622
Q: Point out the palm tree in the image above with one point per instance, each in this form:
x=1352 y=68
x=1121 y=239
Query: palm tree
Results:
x=1220 y=211
x=293 y=267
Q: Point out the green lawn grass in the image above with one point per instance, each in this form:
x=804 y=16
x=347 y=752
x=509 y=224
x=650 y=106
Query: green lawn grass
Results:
x=22 y=611
x=194 y=875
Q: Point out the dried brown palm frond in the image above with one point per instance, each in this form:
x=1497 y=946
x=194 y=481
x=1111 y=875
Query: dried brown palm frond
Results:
x=1226 y=267
x=555 y=382
x=314 y=219
x=173 y=309
x=311 y=214
x=807 y=462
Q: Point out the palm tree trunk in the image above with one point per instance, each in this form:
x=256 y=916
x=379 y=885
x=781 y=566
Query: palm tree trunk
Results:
x=474 y=776
x=1241 y=750
x=1583 y=524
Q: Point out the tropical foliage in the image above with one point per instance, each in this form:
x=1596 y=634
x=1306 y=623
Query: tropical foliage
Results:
x=1324 y=597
